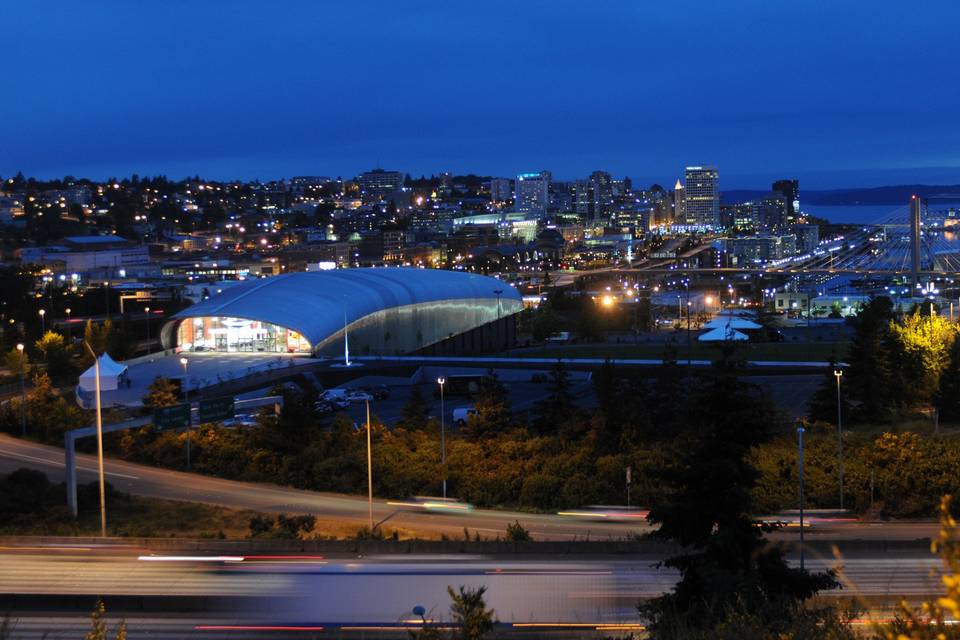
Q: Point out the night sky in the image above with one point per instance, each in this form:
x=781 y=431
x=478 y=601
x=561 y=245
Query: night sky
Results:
x=836 y=93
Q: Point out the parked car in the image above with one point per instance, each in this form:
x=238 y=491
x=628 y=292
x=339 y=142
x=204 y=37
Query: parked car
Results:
x=379 y=392
x=359 y=396
x=241 y=420
x=334 y=394
x=461 y=415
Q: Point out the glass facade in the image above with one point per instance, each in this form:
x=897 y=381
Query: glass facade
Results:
x=214 y=333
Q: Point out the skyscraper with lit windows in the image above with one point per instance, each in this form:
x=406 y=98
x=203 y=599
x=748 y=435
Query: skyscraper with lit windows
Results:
x=702 y=196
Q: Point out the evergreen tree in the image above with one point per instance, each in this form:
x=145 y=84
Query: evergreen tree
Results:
x=947 y=399
x=56 y=353
x=706 y=507
x=162 y=392
x=415 y=411
x=869 y=357
x=493 y=408
x=471 y=616
x=558 y=407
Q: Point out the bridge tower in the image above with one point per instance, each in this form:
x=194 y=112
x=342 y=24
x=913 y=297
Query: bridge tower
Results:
x=916 y=207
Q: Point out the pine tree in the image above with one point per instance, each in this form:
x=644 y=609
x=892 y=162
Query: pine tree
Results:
x=706 y=507
x=558 y=407
x=415 y=411
x=869 y=357
x=947 y=399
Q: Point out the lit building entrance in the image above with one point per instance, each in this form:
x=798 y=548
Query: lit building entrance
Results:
x=214 y=333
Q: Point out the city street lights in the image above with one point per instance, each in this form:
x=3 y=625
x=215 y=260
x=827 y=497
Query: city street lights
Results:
x=800 y=468
x=23 y=392
x=443 y=444
x=186 y=398
x=838 y=373
x=43 y=322
x=69 y=328
x=369 y=473
x=103 y=499
x=147 y=310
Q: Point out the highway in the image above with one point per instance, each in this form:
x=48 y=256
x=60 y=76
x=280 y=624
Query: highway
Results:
x=153 y=482
x=234 y=596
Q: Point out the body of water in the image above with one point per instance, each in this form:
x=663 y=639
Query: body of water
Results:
x=868 y=213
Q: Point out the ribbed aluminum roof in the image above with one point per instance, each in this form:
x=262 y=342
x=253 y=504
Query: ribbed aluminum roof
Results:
x=314 y=303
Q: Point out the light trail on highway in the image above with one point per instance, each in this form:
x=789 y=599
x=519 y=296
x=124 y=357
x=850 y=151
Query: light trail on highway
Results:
x=231 y=596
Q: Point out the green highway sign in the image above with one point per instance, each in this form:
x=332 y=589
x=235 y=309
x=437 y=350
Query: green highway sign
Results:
x=215 y=409
x=173 y=417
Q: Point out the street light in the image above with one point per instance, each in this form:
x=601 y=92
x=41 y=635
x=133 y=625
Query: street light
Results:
x=69 y=328
x=103 y=499
x=147 y=310
x=186 y=399
x=23 y=393
x=443 y=444
x=800 y=468
x=369 y=473
x=838 y=373
x=43 y=323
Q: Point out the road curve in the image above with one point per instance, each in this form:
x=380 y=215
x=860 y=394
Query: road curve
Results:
x=154 y=482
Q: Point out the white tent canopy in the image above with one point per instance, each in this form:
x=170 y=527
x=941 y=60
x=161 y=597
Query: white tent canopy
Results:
x=722 y=334
x=731 y=323
x=111 y=372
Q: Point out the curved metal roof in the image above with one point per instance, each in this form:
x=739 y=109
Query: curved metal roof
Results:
x=315 y=303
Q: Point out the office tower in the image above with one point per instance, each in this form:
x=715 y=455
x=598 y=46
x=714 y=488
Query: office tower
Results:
x=533 y=193
x=702 y=196
x=791 y=196
x=583 y=198
x=602 y=193
x=770 y=212
x=501 y=189
x=377 y=183
x=679 y=204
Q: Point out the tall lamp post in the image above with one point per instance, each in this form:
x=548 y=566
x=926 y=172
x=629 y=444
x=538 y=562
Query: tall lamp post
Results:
x=147 y=310
x=103 y=499
x=800 y=431
x=23 y=392
x=838 y=373
x=369 y=473
x=186 y=398
x=69 y=328
x=443 y=444
x=43 y=321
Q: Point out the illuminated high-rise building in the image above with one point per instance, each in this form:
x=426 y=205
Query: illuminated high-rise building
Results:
x=679 y=204
x=533 y=193
x=702 y=196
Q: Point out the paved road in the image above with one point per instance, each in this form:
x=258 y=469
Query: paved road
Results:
x=175 y=485
x=355 y=594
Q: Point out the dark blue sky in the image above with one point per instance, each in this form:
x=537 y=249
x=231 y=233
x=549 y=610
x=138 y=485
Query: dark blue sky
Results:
x=837 y=93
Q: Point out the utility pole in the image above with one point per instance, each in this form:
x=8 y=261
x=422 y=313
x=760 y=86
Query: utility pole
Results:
x=369 y=473
x=838 y=373
x=103 y=498
x=23 y=392
x=186 y=399
x=443 y=445
x=800 y=467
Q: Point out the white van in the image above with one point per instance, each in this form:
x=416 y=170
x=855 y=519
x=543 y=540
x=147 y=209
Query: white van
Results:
x=462 y=415
x=331 y=395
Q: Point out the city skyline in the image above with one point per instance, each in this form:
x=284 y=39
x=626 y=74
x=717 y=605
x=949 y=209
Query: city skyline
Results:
x=826 y=94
